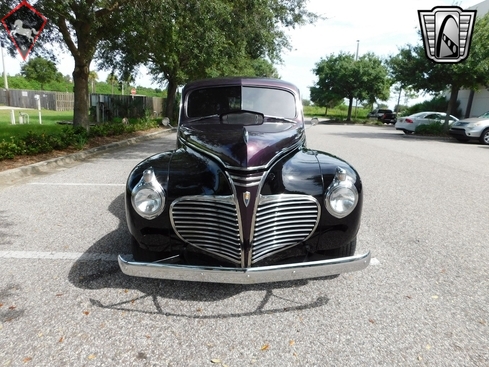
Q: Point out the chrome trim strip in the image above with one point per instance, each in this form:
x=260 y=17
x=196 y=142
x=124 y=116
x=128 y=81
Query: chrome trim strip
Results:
x=279 y=155
x=266 y=274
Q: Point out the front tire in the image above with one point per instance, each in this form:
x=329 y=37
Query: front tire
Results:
x=484 y=138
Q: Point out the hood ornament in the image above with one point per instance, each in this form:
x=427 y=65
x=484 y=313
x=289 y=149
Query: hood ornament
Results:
x=246 y=198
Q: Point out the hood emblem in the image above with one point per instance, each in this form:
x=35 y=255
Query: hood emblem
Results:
x=246 y=198
x=245 y=136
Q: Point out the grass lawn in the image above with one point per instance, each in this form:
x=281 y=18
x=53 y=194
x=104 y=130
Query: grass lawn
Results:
x=49 y=122
x=336 y=113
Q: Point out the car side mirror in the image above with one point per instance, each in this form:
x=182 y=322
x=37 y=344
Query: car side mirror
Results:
x=314 y=121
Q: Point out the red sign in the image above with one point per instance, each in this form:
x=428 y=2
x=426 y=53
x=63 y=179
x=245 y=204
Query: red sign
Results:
x=133 y=91
x=24 y=24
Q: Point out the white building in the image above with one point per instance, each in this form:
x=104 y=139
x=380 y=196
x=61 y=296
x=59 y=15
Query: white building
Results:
x=480 y=102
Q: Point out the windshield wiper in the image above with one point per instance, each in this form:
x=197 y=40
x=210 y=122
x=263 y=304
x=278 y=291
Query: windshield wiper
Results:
x=204 y=118
x=278 y=118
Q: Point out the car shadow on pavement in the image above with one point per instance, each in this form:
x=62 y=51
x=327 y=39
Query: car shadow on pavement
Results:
x=104 y=273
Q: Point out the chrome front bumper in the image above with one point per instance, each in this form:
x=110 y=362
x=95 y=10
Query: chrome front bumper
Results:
x=265 y=274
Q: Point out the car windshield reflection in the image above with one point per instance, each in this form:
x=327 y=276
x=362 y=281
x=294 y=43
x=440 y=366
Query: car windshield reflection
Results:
x=224 y=100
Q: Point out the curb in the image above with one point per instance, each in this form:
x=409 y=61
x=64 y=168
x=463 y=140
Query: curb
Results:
x=14 y=174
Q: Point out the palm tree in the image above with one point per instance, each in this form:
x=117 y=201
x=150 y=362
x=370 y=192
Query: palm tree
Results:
x=92 y=78
x=112 y=79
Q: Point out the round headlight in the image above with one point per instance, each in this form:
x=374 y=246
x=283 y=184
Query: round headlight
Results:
x=341 y=200
x=148 y=202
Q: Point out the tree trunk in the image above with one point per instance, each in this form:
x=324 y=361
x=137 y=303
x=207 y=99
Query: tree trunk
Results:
x=170 y=101
x=81 y=103
x=469 y=104
x=452 y=104
x=350 y=105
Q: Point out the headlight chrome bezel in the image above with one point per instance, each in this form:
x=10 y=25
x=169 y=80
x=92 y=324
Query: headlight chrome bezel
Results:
x=342 y=182
x=149 y=184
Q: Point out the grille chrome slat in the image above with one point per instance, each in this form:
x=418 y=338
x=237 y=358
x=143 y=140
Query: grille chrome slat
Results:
x=211 y=222
x=274 y=217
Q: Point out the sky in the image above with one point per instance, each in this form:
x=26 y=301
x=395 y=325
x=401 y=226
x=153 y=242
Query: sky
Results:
x=378 y=26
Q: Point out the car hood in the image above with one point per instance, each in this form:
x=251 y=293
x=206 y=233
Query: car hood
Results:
x=472 y=119
x=243 y=146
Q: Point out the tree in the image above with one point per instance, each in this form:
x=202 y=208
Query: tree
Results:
x=112 y=79
x=197 y=39
x=341 y=76
x=40 y=70
x=412 y=69
x=79 y=26
x=92 y=78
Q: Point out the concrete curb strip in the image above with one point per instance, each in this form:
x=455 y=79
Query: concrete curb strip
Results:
x=11 y=175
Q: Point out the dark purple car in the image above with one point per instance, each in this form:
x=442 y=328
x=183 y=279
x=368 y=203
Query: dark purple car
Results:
x=241 y=199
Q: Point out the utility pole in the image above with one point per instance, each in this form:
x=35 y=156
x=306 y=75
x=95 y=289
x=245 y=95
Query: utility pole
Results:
x=4 y=71
x=7 y=92
x=356 y=100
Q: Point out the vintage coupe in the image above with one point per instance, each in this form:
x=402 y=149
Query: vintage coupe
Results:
x=241 y=199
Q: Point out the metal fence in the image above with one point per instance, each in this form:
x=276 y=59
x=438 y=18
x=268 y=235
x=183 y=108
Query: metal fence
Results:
x=103 y=107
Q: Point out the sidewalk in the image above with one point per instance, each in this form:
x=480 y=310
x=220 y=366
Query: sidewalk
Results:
x=11 y=176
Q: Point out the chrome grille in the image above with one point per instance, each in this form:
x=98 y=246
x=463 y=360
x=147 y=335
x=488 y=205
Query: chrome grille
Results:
x=209 y=223
x=246 y=179
x=283 y=221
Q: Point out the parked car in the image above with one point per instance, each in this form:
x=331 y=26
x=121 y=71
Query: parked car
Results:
x=408 y=124
x=377 y=113
x=241 y=199
x=388 y=118
x=472 y=128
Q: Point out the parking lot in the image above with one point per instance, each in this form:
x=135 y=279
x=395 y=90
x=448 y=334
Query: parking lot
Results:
x=423 y=301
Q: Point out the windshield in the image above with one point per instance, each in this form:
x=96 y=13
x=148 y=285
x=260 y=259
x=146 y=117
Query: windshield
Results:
x=223 y=100
x=484 y=115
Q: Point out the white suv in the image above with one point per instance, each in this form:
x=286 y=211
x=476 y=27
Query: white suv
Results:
x=472 y=128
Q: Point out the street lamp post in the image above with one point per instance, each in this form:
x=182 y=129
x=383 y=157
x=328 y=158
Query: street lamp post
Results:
x=356 y=100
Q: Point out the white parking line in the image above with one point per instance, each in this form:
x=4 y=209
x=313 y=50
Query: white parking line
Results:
x=73 y=184
x=39 y=255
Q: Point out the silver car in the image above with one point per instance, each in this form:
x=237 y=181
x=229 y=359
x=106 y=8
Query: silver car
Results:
x=472 y=128
x=408 y=124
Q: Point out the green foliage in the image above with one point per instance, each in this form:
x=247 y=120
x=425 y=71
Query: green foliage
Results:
x=197 y=39
x=40 y=70
x=342 y=76
x=412 y=69
x=435 y=129
x=16 y=140
x=437 y=104
x=339 y=112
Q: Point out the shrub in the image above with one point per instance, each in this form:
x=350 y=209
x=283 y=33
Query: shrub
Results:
x=77 y=137
x=436 y=128
x=439 y=104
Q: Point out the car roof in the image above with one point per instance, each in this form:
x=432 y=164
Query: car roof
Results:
x=243 y=81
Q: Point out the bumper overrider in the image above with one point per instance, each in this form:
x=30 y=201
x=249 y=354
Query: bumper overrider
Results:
x=256 y=275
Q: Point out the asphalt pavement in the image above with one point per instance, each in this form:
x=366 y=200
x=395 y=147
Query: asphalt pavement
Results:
x=423 y=301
